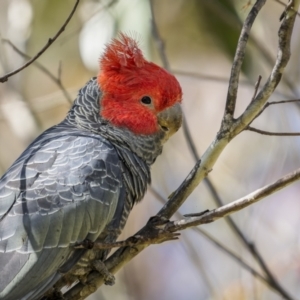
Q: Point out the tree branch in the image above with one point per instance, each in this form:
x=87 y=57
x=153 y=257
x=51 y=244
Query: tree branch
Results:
x=123 y=255
x=284 y=4
x=236 y=205
x=270 y=280
x=48 y=44
x=250 y=128
x=238 y=60
x=283 y=55
x=56 y=80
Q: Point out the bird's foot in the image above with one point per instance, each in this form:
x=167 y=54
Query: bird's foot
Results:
x=99 y=266
x=157 y=230
x=54 y=294
x=85 y=244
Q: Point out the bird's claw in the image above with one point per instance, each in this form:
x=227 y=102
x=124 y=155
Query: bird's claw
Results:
x=85 y=244
x=54 y=295
x=156 y=231
x=99 y=266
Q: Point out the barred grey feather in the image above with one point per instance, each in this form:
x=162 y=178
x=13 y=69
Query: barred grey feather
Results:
x=78 y=180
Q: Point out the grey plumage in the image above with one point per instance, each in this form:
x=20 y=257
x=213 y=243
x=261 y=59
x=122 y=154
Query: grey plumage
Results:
x=78 y=180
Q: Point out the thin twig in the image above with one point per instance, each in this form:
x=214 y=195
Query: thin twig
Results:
x=48 y=44
x=234 y=22
x=237 y=205
x=274 y=103
x=56 y=80
x=256 y=87
x=284 y=4
x=179 y=196
x=271 y=279
x=277 y=102
x=289 y=6
x=238 y=60
x=281 y=102
x=249 y=128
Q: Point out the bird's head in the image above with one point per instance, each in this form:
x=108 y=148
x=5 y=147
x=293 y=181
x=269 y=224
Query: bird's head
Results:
x=138 y=94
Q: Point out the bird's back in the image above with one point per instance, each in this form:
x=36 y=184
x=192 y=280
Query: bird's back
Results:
x=63 y=189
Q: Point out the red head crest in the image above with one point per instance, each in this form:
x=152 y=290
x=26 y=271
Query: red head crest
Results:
x=122 y=52
x=125 y=78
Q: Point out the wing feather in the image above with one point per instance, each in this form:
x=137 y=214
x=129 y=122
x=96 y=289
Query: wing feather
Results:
x=63 y=189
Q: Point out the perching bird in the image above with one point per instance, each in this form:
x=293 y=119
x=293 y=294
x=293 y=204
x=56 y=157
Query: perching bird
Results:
x=82 y=176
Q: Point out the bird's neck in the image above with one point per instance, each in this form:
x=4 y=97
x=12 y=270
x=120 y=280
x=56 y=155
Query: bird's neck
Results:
x=84 y=114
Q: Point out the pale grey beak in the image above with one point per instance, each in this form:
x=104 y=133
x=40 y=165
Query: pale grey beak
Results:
x=170 y=119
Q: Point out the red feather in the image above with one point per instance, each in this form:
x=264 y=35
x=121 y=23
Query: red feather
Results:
x=123 y=51
x=125 y=77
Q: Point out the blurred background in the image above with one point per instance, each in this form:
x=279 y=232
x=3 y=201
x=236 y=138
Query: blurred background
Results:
x=200 y=37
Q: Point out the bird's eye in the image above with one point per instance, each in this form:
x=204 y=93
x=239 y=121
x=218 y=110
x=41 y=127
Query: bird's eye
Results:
x=146 y=100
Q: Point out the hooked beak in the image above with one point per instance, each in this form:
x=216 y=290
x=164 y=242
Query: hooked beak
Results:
x=170 y=119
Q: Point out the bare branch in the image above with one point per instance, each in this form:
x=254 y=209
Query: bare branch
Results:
x=283 y=55
x=123 y=255
x=255 y=253
x=235 y=23
x=281 y=102
x=284 y=4
x=249 y=128
x=211 y=154
x=273 y=103
x=56 y=80
x=256 y=87
x=237 y=205
x=160 y=44
x=225 y=134
x=48 y=44
x=218 y=244
x=238 y=60
x=139 y=239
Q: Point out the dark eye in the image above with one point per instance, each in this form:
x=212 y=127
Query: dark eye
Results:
x=146 y=100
